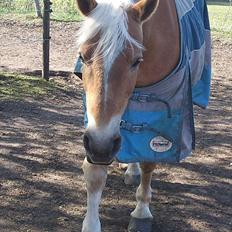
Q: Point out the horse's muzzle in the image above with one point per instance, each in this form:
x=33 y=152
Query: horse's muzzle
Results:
x=101 y=151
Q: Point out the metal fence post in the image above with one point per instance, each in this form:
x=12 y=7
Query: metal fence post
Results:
x=46 y=38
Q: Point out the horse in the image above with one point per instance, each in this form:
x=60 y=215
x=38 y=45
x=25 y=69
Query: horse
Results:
x=126 y=45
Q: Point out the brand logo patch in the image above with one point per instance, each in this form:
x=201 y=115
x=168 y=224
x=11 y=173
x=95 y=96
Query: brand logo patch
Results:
x=160 y=144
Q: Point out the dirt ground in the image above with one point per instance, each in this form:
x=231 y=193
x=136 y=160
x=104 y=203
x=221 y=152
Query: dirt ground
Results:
x=41 y=181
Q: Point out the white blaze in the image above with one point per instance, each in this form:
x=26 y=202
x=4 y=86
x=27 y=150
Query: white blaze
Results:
x=105 y=131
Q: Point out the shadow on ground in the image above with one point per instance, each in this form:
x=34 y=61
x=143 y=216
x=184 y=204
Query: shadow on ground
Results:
x=40 y=163
x=41 y=182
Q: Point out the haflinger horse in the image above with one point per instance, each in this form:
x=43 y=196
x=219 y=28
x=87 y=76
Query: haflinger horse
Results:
x=125 y=46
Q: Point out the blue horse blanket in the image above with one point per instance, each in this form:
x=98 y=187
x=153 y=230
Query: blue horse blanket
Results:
x=157 y=125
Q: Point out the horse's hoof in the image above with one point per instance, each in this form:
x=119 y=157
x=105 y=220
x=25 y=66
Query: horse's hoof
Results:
x=132 y=179
x=140 y=225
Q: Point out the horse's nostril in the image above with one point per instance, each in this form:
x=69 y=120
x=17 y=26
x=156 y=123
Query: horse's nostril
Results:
x=116 y=144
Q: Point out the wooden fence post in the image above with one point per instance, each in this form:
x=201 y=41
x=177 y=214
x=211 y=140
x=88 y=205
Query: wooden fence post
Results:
x=38 y=9
x=46 y=38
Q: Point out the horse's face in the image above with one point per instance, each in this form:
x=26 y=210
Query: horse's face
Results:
x=111 y=51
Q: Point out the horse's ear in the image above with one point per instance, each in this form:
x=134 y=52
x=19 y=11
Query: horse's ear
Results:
x=143 y=9
x=86 y=6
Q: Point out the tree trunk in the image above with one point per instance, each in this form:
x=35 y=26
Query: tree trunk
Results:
x=38 y=9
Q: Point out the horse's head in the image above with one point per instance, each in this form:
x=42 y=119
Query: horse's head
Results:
x=110 y=47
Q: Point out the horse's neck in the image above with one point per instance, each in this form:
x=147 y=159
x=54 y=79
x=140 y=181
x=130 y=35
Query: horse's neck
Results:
x=162 y=44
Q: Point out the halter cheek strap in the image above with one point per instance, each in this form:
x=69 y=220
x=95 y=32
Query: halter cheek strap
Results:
x=78 y=68
x=88 y=159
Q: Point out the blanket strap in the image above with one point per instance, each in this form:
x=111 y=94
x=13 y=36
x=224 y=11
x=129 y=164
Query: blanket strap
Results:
x=150 y=98
x=137 y=128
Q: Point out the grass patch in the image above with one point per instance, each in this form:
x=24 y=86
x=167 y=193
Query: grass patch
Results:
x=18 y=86
x=63 y=11
x=64 y=17
x=220 y=14
x=30 y=17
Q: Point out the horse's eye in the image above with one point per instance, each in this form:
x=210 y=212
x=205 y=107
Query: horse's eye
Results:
x=81 y=57
x=84 y=59
x=136 y=63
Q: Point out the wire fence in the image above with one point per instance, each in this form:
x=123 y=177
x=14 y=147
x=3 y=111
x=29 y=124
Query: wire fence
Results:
x=21 y=36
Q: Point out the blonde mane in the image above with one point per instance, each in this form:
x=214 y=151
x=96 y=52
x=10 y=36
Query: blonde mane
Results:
x=109 y=20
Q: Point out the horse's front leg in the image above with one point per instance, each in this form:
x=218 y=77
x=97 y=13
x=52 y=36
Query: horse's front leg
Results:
x=95 y=178
x=141 y=217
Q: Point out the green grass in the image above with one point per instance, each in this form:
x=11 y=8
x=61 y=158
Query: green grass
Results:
x=66 y=17
x=30 y=17
x=18 y=86
x=66 y=10
x=220 y=14
x=16 y=5
x=63 y=10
